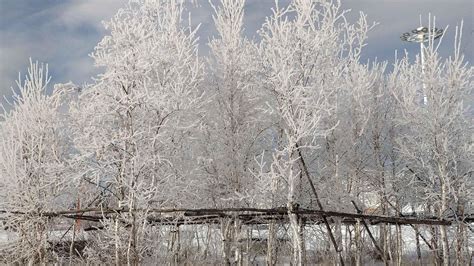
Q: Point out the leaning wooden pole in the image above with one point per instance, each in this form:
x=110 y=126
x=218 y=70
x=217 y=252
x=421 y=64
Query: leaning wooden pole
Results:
x=379 y=250
x=320 y=206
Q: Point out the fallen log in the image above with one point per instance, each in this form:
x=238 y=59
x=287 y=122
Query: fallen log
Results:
x=246 y=215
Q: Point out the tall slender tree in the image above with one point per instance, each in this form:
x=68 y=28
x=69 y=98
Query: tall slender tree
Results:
x=435 y=138
x=34 y=169
x=130 y=124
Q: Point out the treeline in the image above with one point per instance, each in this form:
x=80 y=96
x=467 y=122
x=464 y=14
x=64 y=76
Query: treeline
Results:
x=294 y=120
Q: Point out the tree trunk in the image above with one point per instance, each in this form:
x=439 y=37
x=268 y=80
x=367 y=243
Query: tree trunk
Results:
x=418 y=247
x=348 y=243
x=383 y=243
x=399 y=247
x=297 y=241
x=132 y=254
x=460 y=236
x=71 y=247
x=358 y=244
x=444 y=244
x=338 y=235
x=461 y=228
x=175 y=244
x=270 y=260
x=238 y=243
x=248 y=243
x=117 y=241
x=226 y=232
x=302 y=242
x=434 y=243
x=442 y=228
x=384 y=234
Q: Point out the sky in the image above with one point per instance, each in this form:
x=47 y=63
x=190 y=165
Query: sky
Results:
x=62 y=33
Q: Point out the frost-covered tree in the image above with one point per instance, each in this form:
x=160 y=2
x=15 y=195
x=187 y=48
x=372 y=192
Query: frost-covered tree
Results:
x=233 y=118
x=306 y=61
x=435 y=139
x=34 y=170
x=131 y=124
x=173 y=158
x=234 y=122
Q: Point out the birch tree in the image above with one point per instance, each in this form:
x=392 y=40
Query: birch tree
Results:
x=235 y=124
x=435 y=142
x=234 y=118
x=35 y=175
x=130 y=123
x=305 y=59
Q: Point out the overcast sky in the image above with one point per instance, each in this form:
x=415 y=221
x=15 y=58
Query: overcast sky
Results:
x=63 y=33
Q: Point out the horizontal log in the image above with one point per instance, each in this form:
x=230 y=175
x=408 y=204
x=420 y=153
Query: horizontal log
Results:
x=246 y=215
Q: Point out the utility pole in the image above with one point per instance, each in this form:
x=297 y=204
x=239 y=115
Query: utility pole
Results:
x=421 y=35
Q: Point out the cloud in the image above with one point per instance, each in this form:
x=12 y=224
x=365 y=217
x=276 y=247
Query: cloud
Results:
x=64 y=32
x=88 y=12
x=60 y=33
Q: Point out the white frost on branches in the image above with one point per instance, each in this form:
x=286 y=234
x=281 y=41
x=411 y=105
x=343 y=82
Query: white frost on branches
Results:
x=293 y=120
